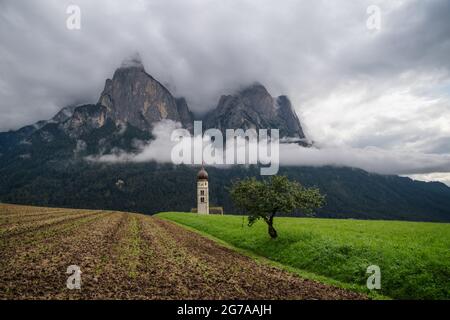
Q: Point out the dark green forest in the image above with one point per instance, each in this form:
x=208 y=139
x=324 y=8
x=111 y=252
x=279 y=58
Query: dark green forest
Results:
x=151 y=187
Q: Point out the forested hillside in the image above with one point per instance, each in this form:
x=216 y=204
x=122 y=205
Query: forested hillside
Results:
x=152 y=187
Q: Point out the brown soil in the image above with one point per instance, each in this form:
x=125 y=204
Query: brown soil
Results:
x=132 y=256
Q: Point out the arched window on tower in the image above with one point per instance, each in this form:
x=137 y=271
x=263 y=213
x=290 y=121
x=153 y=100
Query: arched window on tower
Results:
x=202 y=199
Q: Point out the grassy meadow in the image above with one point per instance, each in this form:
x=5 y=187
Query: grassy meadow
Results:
x=414 y=257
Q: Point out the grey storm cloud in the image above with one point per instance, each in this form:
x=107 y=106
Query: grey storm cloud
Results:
x=352 y=87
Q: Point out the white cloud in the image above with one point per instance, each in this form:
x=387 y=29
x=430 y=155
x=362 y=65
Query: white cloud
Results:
x=158 y=150
x=397 y=118
x=372 y=159
x=443 y=177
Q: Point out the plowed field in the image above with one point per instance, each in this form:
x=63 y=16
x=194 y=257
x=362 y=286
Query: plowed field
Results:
x=132 y=256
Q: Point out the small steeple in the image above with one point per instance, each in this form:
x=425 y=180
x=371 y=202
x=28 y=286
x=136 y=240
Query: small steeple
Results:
x=202 y=191
x=202 y=174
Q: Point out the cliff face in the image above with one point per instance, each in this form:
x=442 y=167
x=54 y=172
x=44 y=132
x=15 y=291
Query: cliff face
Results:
x=186 y=116
x=85 y=119
x=253 y=107
x=133 y=96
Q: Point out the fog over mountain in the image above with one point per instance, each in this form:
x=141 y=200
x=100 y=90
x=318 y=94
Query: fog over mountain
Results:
x=384 y=94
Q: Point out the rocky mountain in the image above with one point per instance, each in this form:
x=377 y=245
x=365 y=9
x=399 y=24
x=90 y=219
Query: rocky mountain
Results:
x=253 y=107
x=130 y=104
x=133 y=96
x=64 y=114
x=10 y=140
x=133 y=101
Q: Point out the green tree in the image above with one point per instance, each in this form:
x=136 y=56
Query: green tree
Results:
x=263 y=199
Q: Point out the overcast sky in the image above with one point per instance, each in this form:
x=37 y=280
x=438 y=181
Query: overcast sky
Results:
x=385 y=91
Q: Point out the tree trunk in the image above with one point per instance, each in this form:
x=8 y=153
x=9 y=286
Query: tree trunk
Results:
x=272 y=232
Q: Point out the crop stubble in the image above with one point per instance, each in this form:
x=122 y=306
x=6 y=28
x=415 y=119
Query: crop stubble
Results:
x=132 y=256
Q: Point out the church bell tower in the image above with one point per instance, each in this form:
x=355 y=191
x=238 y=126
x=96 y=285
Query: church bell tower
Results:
x=202 y=192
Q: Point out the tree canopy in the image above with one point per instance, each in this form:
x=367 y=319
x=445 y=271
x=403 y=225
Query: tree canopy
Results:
x=263 y=199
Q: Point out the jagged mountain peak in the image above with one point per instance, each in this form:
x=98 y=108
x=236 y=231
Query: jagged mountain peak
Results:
x=253 y=88
x=253 y=107
x=64 y=114
x=133 y=96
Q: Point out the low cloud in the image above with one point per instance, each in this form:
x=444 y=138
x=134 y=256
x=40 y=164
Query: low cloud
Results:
x=371 y=159
x=158 y=150
x=443 y=177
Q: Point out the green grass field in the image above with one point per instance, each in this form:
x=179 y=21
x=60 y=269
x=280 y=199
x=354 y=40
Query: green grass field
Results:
x=414 y=257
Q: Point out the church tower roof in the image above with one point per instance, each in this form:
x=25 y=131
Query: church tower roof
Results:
x=202 y=174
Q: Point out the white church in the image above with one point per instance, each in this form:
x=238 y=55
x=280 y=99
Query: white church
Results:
x=202 y=192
